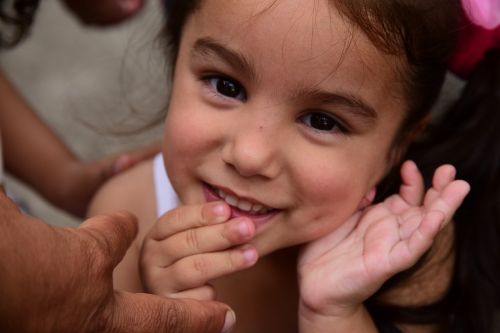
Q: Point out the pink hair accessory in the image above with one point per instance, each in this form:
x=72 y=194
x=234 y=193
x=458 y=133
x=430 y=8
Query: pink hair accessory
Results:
x=484 y=13
x=479 y=33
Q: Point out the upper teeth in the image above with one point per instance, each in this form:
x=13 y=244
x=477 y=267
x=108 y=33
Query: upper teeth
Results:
x=241 y=204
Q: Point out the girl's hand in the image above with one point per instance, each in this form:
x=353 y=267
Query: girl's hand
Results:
x=341 y=270
x=191 y=245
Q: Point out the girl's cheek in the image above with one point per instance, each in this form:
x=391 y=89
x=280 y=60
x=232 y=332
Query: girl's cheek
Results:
x=335 y=189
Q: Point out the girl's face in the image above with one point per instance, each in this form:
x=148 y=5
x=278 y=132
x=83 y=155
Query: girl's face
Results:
x=285 y=111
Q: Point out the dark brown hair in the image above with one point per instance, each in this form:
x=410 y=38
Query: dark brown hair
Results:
x=16 y=18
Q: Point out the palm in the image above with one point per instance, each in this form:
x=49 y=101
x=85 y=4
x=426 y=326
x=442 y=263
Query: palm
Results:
x=349 y=265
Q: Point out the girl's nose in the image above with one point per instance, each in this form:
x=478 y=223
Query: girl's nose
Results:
x=252 y=153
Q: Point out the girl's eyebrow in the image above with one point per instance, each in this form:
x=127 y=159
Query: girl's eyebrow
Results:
x=355 y=103
x=209 y=46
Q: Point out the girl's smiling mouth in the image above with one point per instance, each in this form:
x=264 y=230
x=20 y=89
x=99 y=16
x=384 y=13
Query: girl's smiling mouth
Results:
x=240 y=207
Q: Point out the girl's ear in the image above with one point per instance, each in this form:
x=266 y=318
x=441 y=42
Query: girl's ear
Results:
x=404 y=140
x=368 y=198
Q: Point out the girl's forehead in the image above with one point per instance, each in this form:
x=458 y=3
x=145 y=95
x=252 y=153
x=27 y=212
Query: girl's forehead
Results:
x=299 y=43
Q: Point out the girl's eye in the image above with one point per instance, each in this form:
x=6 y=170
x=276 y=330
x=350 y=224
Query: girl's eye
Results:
x=227 y=87
x=321 y=122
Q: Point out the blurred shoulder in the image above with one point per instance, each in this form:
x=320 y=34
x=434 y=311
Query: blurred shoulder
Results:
x=131 y=190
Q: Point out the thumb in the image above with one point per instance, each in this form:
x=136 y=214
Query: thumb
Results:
x=149 y=313
x=113 y=233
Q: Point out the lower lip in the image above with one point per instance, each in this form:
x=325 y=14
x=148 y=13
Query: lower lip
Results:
x=258 y=219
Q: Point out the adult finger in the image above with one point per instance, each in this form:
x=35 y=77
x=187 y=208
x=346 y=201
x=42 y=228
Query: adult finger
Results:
x=203 y=240
x=144 y=313
x=188 y=217
x=113 y=234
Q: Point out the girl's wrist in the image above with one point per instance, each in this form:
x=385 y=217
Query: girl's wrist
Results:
x=351 y=319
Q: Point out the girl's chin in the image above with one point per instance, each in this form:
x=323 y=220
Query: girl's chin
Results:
x=266 y=245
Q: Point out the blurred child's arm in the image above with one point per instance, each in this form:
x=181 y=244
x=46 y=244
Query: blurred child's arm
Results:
x=343 y=269
x=33 y=153
x=191 y=245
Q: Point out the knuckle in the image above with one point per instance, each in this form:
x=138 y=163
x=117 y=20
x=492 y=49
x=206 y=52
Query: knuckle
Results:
x=210 y=294
x=234 y=260
x=192 y=239
x=174 y=317
x=175 y=216
x=229 y=233
x=96 y=251
x=201 y=266
x=204 y=215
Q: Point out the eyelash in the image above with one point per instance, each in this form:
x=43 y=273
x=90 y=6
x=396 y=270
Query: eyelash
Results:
x=212 y=82
x=337 y=125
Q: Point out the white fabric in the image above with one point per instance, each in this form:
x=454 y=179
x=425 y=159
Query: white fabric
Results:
x=166 y=198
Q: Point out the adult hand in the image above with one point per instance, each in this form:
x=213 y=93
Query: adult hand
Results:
x=104 y=12
x=60 y=280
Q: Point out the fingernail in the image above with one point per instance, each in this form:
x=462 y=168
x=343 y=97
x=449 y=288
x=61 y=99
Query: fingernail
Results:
x=244 y=229
x=220 y=212
x=229 y=322
x=250 y=255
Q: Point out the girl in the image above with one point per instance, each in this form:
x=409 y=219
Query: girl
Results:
x=285 y=116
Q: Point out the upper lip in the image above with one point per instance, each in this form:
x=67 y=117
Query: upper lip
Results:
x=240 y=197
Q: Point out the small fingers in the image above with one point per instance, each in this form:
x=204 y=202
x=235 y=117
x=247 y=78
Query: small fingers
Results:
x=203 y=293
x=417 y=240
x=449 y=199
x=195 y=271
x=412 y=187
x=443 y=175
x=411 y=191
x=188 y=217
x=204 y=240
x=417 y=235
x=438 y=214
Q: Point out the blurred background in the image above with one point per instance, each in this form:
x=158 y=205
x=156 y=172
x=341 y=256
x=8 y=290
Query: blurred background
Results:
x=95 y=87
